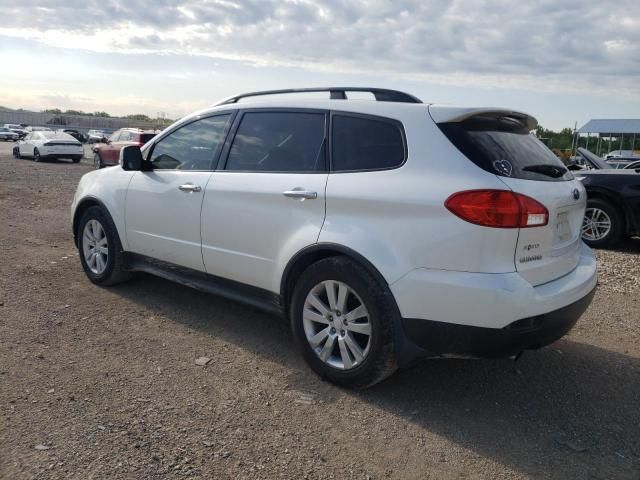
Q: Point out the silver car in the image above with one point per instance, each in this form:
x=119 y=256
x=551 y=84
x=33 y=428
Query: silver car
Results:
x=7 y=135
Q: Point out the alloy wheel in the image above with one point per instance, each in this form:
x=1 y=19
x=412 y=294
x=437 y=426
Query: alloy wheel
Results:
x=596 y=224
x=95 y=246
x=336 y=324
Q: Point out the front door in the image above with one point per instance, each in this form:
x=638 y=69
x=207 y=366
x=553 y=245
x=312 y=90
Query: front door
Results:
x=268 y=202
x=163 y=205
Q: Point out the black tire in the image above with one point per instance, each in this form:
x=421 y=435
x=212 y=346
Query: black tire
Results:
x=617 y=224
x=76 y=159
x=16 y=152
x=97 y=161
x=381 y=361
x=115 y=271
x=36 y=155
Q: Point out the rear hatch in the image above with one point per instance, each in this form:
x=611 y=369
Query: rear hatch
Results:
x=500 y=142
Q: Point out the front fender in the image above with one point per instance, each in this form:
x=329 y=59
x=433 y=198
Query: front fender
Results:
x=106 y=187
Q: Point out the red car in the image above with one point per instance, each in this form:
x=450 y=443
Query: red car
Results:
x=107 y=154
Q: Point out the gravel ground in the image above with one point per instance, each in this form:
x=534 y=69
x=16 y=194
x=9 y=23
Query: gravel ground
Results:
x=102 y=382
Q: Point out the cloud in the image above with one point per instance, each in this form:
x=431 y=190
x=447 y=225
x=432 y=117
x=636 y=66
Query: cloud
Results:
x=585 y=45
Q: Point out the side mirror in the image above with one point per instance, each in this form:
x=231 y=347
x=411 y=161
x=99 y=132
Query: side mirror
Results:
x=131 y=158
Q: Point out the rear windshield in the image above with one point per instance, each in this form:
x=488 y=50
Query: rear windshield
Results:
x=505 y=147
x=145 y=137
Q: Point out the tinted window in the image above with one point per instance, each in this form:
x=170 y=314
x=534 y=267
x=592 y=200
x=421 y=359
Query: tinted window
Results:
x=279 y=142
x=360 y=143
x=191 y=147
x=145 y=137
x=114 y=136
x=505 y=147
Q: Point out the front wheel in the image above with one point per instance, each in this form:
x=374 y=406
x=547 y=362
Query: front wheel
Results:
x=97 y=161
x=16 y=152
x=602 y=225
x=342 y=320
x=36 y=155
x=101 y=253
x=76 y=159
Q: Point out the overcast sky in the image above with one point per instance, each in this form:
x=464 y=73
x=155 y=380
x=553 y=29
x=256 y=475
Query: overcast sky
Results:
x=560 y=60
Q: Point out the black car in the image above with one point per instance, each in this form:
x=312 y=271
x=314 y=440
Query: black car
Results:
x=613 y=204
x=76 y=134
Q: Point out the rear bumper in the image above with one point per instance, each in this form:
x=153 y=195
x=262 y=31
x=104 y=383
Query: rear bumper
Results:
x=488 y=315
x=438 y=338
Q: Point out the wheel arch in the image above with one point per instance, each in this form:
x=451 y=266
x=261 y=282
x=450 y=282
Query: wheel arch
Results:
x=313 y=253
x=616 y=202
x=82 y=207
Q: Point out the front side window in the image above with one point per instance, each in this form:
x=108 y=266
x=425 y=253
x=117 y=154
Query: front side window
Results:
x=191 y=147
x=363 y=143
x=114 y=136
x=279 y=142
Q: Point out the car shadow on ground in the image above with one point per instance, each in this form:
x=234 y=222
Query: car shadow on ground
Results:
x=570 y=410
x=628 y=245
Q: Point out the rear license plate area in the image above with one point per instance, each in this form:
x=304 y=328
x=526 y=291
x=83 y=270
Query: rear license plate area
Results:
x=563 y=228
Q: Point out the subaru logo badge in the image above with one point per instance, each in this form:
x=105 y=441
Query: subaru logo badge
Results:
x=576 y=194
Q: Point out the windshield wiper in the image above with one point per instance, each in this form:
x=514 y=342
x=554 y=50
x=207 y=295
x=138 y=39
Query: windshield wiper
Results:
x=552 y=171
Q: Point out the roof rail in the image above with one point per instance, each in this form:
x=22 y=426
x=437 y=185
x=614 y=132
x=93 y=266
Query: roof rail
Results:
x=336 y=93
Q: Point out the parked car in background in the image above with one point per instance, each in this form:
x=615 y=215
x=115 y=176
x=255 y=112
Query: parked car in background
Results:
x=384 y=230
x=41 y=145
x=16 y=128
x=96 y=136
x=75 y=134
x=620 y=153
x=587 y=160
x=37 y=129
x=7 y=135
x=613 y=206
x=622 y=162
x=632 y=166
x=108 y=153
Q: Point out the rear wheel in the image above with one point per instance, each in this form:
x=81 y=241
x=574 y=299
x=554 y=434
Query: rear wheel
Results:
x=342 y=320
x=76 y=159
x=36 y=155
x=602 y=225
x=101 y=253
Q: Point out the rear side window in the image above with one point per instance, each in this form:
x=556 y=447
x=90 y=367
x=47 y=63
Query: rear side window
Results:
x=363 y=143
x=504 y=146
x=279 y=142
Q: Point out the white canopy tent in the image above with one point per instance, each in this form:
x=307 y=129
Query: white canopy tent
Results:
x=611 y=127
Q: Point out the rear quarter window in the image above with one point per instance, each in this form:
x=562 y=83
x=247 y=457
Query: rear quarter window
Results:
x=505 y=147
x=362 y=143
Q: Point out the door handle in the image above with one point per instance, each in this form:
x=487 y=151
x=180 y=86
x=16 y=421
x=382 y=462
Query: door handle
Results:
x=301 y=194
x=190 y=188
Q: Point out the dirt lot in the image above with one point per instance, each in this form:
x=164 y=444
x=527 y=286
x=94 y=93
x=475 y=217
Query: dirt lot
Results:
x=102 y=382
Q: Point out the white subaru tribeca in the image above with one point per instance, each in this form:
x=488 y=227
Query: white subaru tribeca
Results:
x=383 y=230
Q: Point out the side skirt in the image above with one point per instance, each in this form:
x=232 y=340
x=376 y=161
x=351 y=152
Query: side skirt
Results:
x=239 y=292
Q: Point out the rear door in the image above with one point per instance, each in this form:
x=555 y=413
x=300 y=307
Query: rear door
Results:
x=501 y=143
x=163 y=205
x=267 y=200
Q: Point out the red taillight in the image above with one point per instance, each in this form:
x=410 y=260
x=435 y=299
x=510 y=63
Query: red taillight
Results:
x=498 y=209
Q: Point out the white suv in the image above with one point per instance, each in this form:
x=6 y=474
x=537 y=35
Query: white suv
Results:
x=384 y=230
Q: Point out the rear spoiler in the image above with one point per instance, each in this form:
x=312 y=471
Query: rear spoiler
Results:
x=454 y=115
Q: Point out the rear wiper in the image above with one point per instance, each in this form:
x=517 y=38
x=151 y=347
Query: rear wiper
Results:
x=552 y=171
